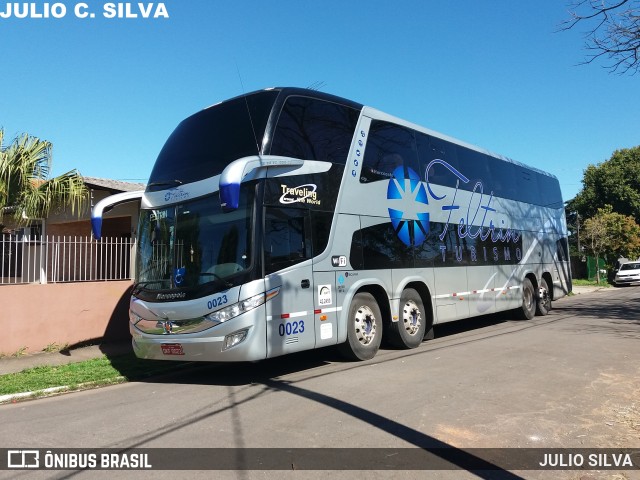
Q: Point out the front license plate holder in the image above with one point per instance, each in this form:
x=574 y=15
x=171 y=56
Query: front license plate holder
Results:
x=172 y=349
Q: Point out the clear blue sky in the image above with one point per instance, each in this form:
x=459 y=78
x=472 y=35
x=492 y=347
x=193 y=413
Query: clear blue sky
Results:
x=497 y=74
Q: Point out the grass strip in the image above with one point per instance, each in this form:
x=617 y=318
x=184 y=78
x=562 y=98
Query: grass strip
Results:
x=589 y=283
x=97 y=371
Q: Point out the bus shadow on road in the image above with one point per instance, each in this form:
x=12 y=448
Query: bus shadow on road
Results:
x=309 y=362
x=251 y=381
x=246 y=373
x=471 y=324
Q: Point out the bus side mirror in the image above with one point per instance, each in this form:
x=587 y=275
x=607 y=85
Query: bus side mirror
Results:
x=107 y=204
x=236 y=171
x=229 y=196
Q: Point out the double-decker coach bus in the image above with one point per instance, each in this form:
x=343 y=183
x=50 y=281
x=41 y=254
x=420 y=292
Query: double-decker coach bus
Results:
x=288 y=219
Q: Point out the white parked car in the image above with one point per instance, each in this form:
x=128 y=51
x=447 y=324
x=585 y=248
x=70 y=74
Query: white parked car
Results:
x=629 y=273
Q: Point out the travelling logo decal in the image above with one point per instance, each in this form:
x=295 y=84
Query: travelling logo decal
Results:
x=302 y=194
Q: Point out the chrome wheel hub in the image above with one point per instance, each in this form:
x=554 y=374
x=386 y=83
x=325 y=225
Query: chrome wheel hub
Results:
x=411 y=317
x=365 y=324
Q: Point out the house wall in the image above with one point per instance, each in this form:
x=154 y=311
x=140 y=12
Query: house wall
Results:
x=74 y=225
x=111 y=227
x=35 y=316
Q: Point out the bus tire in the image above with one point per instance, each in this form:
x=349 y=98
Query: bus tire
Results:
x=409 y=330
x=364 y=328
x=529 y=301
x=544 y=299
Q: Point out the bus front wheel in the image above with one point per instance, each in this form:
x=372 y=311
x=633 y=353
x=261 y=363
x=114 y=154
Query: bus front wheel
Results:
x=364 y=328
x=409 y=330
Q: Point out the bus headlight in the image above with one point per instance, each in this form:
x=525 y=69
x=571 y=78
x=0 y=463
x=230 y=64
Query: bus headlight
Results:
x=239 y=308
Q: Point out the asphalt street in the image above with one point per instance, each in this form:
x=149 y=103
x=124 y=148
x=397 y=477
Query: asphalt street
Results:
x=567 y=380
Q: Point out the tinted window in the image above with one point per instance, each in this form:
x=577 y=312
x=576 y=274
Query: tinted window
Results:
x=429 y=251
x=378 y=247
x=475 y=167
x=285 y=238
x=441 y=162
x=316 y=191
x=563 y=249
x=550 y=191
x=527 y=184
x=389 y=146
x=320 y=231
x=205 y=143
x=503 y=178
x=313 y=129
x=630 y=266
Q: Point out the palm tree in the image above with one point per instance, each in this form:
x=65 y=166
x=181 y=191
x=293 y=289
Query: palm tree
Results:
x=26 y=191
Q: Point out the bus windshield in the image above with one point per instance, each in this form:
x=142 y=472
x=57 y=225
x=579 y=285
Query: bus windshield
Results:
x=195 y=243
x=203 y=144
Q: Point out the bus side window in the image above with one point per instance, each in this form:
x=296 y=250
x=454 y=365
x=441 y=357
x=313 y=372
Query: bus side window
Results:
x=431 y=148
x=562 y=247
x=389 y=146
x=286 y=239
x=314 y=129
x=320 y=231
x=527 y=184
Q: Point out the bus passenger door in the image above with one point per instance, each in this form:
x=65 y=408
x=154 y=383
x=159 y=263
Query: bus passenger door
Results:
x=288 y=265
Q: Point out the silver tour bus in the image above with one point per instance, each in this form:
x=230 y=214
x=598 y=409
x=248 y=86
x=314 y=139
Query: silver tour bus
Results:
x=288 y=219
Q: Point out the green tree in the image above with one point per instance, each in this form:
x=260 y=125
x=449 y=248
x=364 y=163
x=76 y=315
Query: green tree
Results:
x=611 y=235
x=624 y=233
x=26 y=191
x=615 y=182
x=593 y=236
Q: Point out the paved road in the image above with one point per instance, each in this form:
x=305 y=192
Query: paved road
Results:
x=570 y=379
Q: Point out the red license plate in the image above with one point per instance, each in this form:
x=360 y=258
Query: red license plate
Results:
x=172 y=349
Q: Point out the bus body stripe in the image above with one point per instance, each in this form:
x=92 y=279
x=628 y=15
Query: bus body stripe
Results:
x=476 y=292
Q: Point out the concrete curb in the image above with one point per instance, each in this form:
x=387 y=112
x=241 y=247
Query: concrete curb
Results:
x=14 y=397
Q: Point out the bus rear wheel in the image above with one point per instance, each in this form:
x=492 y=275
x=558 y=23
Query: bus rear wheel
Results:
x=364 y=328
x=409 y=330
x=529 y=301
x=544 y=298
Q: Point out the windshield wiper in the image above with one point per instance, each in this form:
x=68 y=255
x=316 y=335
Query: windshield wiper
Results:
x=226 y=283
x=139 y=286
x=165 y=183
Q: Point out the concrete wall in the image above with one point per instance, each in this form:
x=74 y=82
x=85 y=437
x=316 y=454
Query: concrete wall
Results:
x=34 y=316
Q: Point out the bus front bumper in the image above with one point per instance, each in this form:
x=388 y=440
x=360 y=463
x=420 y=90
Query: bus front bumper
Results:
x=240 y=339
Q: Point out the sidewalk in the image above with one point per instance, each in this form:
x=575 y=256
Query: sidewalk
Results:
x=577 y=290
x=17 y=364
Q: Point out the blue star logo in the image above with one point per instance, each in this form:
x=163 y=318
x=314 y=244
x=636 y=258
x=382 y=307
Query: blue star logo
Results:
x=409 y=220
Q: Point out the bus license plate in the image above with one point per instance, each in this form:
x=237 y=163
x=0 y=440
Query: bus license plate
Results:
x=172 y=349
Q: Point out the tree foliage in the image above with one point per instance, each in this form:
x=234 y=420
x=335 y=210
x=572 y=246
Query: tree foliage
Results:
x=611 y=234
x=26 y=191
x=593 y=237
x=614 y=31
x=615 y=182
